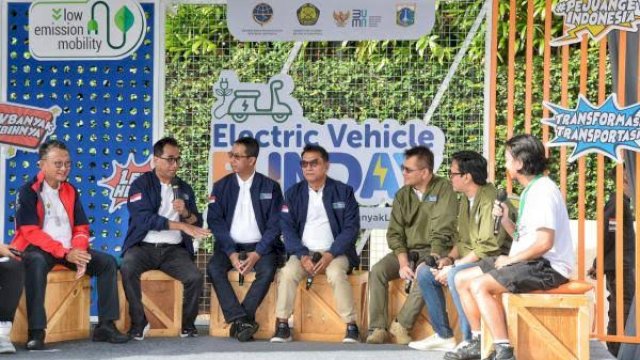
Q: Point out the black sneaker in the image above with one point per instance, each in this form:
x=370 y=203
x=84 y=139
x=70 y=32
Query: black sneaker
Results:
x=189 y=332
x=503 y=352
x=233 y=329
x=352 y=335
x=246 y=329
x=470 y=351
x=283 y=333
x=36 y=340
x=138 y=332
x=107 y=332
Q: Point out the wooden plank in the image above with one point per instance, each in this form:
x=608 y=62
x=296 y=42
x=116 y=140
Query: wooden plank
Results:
x=265 y=314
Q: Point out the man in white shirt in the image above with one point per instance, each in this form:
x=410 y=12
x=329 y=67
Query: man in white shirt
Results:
x=52 y=228
x=243 y=216
x=541 y=256
x=163 y=220
x=319 y=219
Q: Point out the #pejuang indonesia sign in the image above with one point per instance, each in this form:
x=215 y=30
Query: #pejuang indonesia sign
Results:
x=85 y=29
x=366 y=155
x=606 y=129
x=595 y=18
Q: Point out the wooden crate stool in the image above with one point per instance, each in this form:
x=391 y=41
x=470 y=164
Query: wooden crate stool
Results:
x=265 y=315
x=555 y=320
x=422 y=326
x=66 y=303
x=162 y=298
x=315 y=317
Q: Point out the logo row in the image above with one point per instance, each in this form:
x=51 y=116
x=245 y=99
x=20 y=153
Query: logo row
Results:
x=308 y=15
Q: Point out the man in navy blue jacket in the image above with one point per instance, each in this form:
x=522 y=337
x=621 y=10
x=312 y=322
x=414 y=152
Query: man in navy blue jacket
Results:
x=163 y=220
x=243 y=215
x=320 y=216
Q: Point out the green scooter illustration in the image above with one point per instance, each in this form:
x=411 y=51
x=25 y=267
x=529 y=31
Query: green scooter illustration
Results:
x=245 y=103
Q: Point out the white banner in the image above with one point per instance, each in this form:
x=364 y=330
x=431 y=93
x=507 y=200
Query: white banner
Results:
x=374 y=217
x=329 y=20
x=89 y=29
x=365 y=155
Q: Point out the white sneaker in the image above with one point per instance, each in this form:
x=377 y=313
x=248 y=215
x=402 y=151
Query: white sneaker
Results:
x=462 y=343
x=435 y=343
x=6 y=347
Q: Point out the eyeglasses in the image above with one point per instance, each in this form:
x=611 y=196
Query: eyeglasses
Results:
x=235 y=156
x=60 y=164
x=171 y=160
x=452 y=174
x=311 y=163
x=408 y=170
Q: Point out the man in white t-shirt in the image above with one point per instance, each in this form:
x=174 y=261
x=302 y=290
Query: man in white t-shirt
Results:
x=541 y=257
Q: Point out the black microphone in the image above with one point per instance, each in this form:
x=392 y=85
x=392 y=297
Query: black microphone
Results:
x=413 y=262
x=242 y=257
x=501 y=197
x=176 y=188
x=316 y=257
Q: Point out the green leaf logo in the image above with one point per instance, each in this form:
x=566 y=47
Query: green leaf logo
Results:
x=124 y=19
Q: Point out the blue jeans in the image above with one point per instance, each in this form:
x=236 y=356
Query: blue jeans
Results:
x=436 y=304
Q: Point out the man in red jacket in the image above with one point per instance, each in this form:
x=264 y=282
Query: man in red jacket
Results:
x=52 y=228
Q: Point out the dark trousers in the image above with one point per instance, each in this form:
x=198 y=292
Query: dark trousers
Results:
x=38 y=263
x=628 y=292
x=11 y=283
x=173 y=260
x=232 y=309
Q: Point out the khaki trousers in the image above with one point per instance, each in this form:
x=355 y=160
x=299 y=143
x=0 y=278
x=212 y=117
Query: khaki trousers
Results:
x=382 y=272
x=293 y=273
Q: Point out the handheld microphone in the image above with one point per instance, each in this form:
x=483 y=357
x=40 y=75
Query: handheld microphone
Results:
x=413 y=262
x=501 y=197
x=316 y=257
x=242 y=257
x=176 y=188
x=16 y=252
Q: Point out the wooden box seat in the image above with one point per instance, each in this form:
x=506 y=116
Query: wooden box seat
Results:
x=556 y=320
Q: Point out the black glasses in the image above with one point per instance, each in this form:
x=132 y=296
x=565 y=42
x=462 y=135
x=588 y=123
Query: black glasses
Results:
x=236 y=156
x=171 y=160
x=452 y=174
x=409 y=170
x=311 y=163
x=60 y=164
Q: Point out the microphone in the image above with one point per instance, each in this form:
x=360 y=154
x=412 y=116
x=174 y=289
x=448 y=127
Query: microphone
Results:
x=413 y=262
x=501 y=197
x=176 y=188
x=316 y=257
x=242 y=257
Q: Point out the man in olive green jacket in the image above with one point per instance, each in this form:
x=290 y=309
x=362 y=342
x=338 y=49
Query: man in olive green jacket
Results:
x=423 y=221
x=476 y=240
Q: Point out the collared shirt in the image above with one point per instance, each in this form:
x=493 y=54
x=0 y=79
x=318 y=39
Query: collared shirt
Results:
x=166 y=210
x=244 y=227
x=317 y=235
x=56 y=221
x=418 y=193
